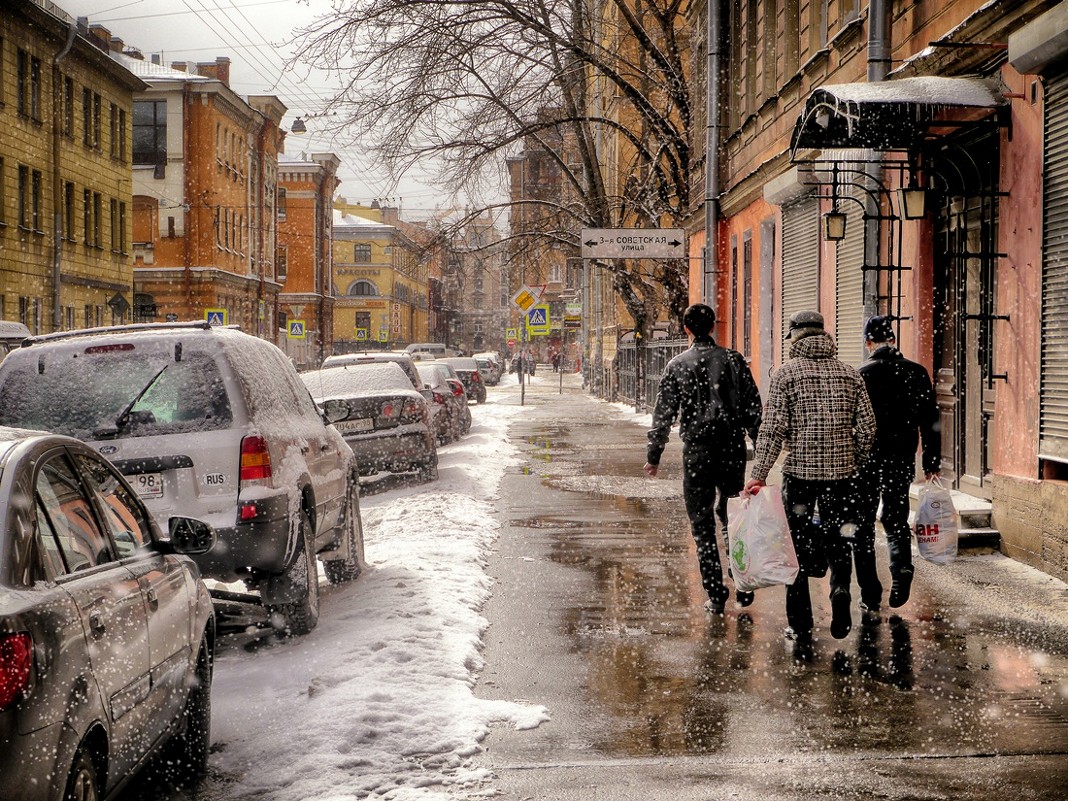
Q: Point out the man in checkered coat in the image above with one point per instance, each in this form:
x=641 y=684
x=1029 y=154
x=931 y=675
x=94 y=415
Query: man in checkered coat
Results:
x=818 y=409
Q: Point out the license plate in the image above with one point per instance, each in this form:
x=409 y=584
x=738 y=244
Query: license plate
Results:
x=360 y=424
x=148 y=485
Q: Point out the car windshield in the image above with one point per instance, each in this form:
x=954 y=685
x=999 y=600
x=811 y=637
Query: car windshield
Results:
x=84 y=397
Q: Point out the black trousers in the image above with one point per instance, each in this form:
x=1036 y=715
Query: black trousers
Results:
x=889 y=481
x=818 y=546
x=707 y=482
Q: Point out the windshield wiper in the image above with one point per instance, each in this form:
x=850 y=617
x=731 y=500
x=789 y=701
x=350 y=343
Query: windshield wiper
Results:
x=124 y=415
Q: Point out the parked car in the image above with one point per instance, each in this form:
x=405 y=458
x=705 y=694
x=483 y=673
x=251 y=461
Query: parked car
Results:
x=455 y=419
x=429 y=350
x=383 y=419
x=107 y=632
x=11 y=336
x=467 y=369
x=214 y=423
x=459 y=392
x=487 y=371
x=496 y=365
x=401 y=358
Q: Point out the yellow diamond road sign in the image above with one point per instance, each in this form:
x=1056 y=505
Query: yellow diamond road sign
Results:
x=525 y=298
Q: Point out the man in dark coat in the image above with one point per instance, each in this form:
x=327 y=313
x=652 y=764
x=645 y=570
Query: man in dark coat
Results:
x=711 y=391
x=905 y=410
x=818 y=410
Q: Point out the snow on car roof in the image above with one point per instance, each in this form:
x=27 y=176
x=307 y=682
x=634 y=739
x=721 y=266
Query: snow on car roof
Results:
x=367 y=378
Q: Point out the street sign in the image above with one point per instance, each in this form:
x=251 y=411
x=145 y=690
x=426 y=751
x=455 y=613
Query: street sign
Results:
x=510 y=333
x=525 y=298
x=633 y=243
x=361 y=334
x=296 y=329
x=538 y=321
x=215 y=316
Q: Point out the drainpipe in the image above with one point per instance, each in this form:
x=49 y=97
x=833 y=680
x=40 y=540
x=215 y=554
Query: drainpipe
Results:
x=188 y=185
x=878 y=69
x=713 y=43
x=57 y=185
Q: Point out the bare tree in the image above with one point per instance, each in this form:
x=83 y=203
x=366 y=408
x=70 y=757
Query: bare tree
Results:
x=600 y=86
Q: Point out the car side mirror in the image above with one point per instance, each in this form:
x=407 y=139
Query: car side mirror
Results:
x=191 y=536
x=334 y=410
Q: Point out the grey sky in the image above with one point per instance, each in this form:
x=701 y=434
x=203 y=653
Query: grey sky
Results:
x=256 y=36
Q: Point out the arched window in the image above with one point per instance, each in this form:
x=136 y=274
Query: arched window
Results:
x=362 y=288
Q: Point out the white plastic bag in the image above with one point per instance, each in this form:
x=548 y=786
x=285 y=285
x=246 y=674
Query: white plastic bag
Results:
x=760 y=548
x=936 y=524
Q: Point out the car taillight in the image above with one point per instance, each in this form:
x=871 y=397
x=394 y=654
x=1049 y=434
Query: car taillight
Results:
x=255 y=459
x=16 y=659
x=476 y=377
x=458 y=390
x=413 y=412
x=388 y=409
x=439 y=398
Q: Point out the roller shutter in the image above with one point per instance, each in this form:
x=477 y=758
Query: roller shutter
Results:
x=1053 y=400
x=800 y=258
x=849 y=288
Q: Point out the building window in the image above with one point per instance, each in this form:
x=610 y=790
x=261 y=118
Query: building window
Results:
x=281 y=204
x=29 y=199
x=96 y=120
x=29 y=86
x=24 y=196
x=281 y=262
x=87 y=221
x=87 y=117
x=68 y=107
x=113 y=213
x=96 y=219
x=3 y=194
x=363 y=288
x=113 y=131
x=68 y=210
x=361 y=252
x=150 y=132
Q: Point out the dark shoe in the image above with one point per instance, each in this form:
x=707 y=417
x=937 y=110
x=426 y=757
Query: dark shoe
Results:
x=869 y=614
x=841 y=620
x=744 y=598
x=900 y=589
x=797 y=636
x=715 y=607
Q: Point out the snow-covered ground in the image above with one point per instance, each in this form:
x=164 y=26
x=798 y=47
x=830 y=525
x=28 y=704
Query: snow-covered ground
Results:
x=377 y=700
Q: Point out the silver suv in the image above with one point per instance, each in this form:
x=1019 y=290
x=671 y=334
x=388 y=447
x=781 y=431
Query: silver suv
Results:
x=208 y=423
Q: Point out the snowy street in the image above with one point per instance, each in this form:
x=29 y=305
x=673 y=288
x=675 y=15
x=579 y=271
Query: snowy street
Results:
x=530 y=627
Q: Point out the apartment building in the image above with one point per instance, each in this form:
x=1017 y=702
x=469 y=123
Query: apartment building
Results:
x=65 y=183
x=305 y=215
x=205 y=173
x=907 y=159
x=382 y=280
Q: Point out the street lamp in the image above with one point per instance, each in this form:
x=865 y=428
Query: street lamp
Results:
x=834 y=226
x=299 y=126
x=913 y=202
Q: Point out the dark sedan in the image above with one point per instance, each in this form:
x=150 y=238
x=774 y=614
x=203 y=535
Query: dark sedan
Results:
x=106 y=632
x=382 y=417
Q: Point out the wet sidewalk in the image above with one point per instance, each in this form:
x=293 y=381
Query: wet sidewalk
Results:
x=597 y=614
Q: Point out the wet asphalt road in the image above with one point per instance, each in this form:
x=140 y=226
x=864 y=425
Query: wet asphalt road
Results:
x=597 y=614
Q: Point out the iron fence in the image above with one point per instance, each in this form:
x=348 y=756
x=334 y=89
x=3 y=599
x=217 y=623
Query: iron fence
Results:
x=636 y=381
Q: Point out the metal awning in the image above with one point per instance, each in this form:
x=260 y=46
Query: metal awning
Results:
x=886 y=115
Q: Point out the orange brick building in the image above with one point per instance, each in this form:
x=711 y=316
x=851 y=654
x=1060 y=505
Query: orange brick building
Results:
x=205 y=165
x=305 y=252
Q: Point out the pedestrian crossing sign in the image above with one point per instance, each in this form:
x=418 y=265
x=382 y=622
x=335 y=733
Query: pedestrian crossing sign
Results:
x=361 y=334
x=383 y=335
x=296 y=329
x=215 y=316
x=538 y=320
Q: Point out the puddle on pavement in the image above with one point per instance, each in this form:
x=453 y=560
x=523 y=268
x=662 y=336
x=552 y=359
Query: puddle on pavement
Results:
x=674 y=681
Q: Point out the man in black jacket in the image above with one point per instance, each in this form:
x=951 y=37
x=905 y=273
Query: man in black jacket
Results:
x=711 y=391
x=905 y=410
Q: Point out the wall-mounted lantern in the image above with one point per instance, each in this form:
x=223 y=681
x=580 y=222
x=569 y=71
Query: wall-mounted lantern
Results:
x=834 y=226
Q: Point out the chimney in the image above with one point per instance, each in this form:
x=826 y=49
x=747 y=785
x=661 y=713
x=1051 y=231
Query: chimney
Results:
x=100 y=36
x=390 y=215
x=219 y=70
x=180 y=66
x=115 y=44
x=156 y=59
x=83 y=26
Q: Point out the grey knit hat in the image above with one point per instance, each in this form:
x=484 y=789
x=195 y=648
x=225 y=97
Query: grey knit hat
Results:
x=805 y=323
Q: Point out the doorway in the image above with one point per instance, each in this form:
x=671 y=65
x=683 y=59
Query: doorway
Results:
x=964 y=318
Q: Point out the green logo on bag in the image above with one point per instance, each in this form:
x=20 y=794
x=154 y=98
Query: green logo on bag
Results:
x=740 y=556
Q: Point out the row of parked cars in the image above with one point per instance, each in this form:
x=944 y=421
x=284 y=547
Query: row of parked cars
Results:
x=252 y=470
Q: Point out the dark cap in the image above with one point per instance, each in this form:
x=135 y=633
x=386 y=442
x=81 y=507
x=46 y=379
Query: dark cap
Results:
x=805 y=323
x=879 y=329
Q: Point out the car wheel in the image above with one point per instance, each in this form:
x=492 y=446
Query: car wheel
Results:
x=81 y=783
x=300 y=616
x=350 y=528
x=429 y=471
x=186 y=756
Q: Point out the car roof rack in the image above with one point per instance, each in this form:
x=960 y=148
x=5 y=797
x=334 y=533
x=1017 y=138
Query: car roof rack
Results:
x=192 y=325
